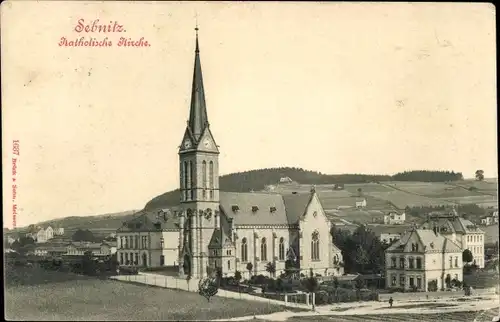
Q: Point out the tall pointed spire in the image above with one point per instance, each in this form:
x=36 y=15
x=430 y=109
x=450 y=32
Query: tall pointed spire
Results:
x=198 y=118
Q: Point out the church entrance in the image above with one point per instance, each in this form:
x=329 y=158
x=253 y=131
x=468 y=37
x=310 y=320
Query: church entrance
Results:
x=187 y=265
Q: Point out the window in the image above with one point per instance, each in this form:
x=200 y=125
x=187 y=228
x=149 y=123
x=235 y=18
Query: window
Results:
x=228 y=264
x=402 y=280
x=162 y=260
x=456 y=261
x=315 y=246
x=393 y=262
x=191 y=176
x=204 y=174
x=162 y=243
x=451 y=261
x=419 y=282
x=126 y=242
x=412 y=281
x=402 y=262
x=282 y=249
x=244 y=250
x=394 y=280
x=186 y=175
x=228 y=252
x=263 y=250
x=121 y=259
x=126 y=259
x=410 y=262
x=419 y=263
x=136 y=262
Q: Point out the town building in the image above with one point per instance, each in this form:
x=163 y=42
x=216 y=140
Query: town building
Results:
x=422 y=258
x=227 y=231
x=459 y=230
x=394 y=218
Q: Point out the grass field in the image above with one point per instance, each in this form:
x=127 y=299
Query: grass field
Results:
x=35 y=294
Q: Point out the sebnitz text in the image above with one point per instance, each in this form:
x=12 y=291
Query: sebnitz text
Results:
x=97 y=26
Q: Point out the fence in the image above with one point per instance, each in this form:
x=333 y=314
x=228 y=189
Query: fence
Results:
x=172 y=282
x=434 y=295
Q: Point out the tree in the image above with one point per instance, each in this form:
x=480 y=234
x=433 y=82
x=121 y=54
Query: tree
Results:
x=447 y=280
x=249 y=269
x=271 y=268
x=479 y=175
x=362 y=258
x=237 y=278
x=467 y=256
x=83 y=235
x=207 y=287
x=360 y=192
x=311 y=284
x=23 y=245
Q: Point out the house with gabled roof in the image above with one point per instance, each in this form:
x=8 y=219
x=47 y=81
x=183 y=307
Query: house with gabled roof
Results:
x=211 y=230
x=421 y=258
x=460 y=230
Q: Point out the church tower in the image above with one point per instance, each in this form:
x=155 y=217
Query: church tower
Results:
x=199 y=182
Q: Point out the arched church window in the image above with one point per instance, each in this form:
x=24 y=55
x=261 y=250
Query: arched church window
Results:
x=186 y=177
x=282 y=249
x=191 y=177
x=315 y=246
x=204 y=173
x=244 y=250
x=211 y=175
x=263 y=249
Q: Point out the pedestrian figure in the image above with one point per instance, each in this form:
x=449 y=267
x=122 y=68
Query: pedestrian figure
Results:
x=390 y=301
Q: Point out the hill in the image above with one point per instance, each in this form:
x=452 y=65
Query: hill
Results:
x=257 y=180
x=104 y=223
x=382 y=193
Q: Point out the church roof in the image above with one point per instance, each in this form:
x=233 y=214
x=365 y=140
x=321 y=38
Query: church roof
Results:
x=198 y=118
x=295 y=206
x=254 y=208
x=219 y=239
x=264 y=208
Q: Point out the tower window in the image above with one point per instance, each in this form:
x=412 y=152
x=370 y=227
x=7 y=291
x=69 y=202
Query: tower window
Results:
x=235 y=208
x=211 y=175
x=255 y=208
x=204 y=173
x=272 y=209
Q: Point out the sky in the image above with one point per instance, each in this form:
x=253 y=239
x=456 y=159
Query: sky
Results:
x=330 y=87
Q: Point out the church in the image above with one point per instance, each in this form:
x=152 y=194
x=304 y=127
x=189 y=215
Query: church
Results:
x=227 y=231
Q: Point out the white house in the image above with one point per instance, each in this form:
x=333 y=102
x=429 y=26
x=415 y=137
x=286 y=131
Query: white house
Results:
x=394 y=218
x=361 y=204
x=422 y=257
x=461 y=231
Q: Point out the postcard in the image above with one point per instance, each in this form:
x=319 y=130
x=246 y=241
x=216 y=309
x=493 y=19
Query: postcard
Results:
x=269 y=161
